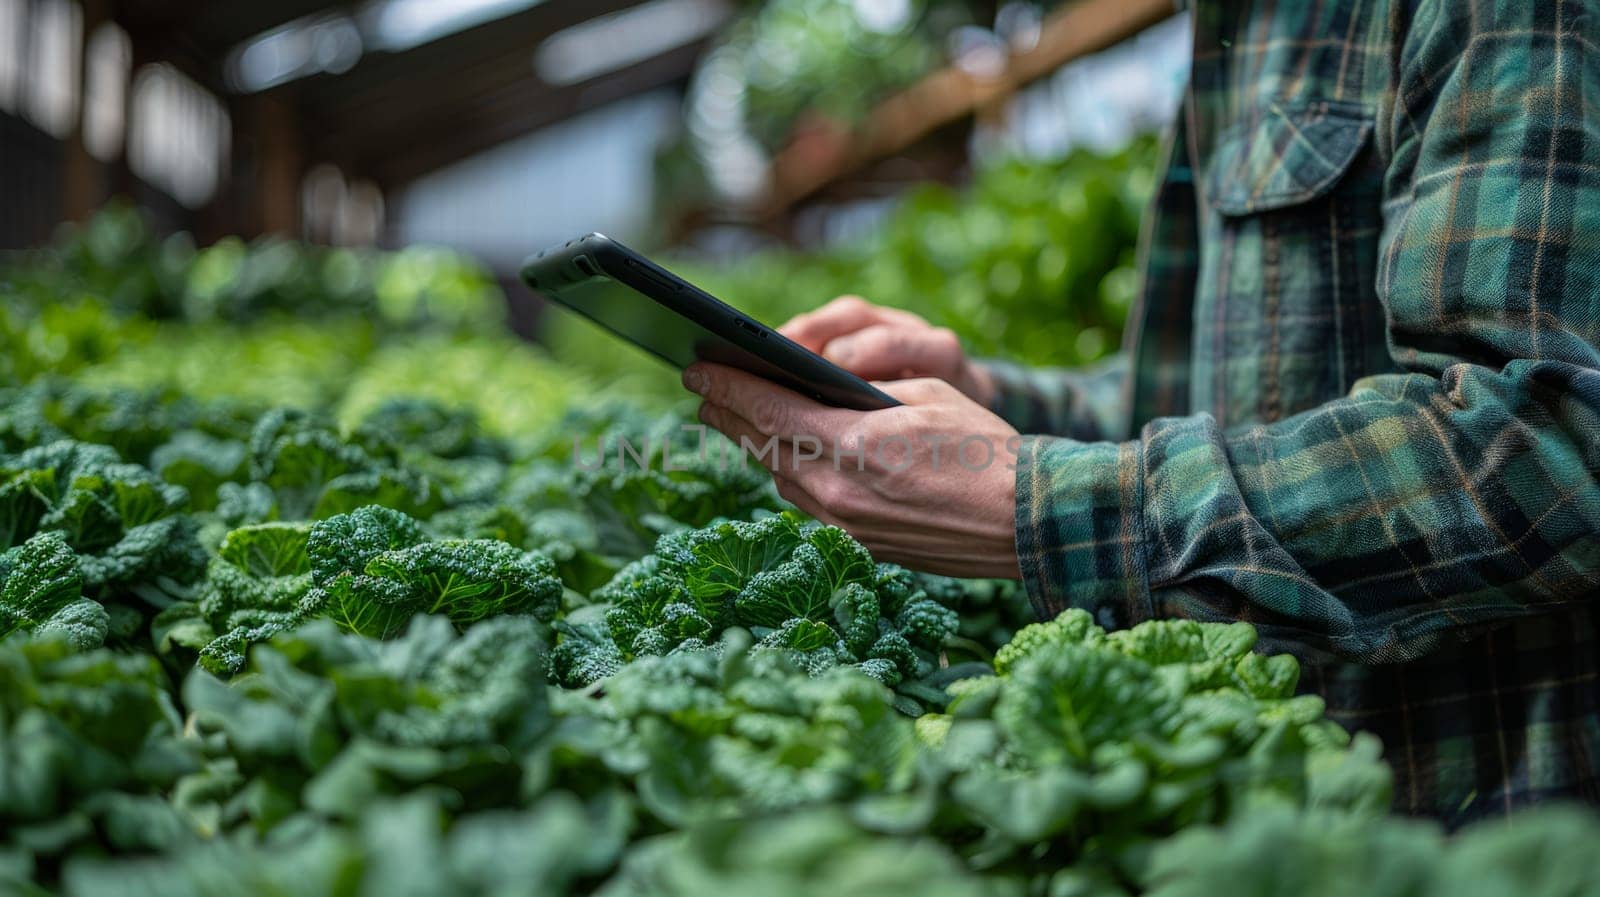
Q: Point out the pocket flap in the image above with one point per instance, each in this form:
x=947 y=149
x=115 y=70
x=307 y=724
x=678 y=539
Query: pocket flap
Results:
x=1287 y=157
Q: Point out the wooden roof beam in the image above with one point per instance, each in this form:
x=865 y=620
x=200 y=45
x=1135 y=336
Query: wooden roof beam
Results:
x=951 y=94
x=396 y=151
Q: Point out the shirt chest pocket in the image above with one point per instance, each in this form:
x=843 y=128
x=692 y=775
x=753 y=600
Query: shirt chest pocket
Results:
x=1286 y=312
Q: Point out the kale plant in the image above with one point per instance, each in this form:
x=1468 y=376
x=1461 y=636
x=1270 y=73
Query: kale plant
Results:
x=90 y=745
x=1089 y=746
x=326 y=721
x=42 y=590
x=375 y=568
x=801 y=588
x=127 y=526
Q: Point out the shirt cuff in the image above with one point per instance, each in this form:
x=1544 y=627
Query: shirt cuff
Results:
x=1080 y=528
x=1015 y=399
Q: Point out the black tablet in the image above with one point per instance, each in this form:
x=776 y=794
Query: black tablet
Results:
x=651 y=307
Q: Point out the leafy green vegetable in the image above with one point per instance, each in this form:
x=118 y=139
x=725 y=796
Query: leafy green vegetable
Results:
x=1544 y=852
x=41 y=589
x=90 y=743
x=125 y=524
x=332 y=720
x=802 y=588
x=366 y=568
x=1099 y=744
x=408 y=845
x=313 y=472
x=818 y=852
x=118 y=255
x=738 y=730
x=374 y=569
x=252 y=590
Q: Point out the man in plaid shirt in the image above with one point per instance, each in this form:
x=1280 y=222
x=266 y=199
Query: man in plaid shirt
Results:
x=1359 y=404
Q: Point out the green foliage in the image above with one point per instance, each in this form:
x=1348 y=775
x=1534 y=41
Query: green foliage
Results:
x=90 y=745
x=525 y=393
x=374 y=569
x=314 y=472
x=68 y=333
x=1100 y=744
x=1541 y=853
x=801 y=588
x=252 y=589
x=301 y=363
x=327 y=721
x=821 y=57
x=408 y=845
x=42 y=590
x=738 y=730
x=637 y=476
x=134 y=423
x=820 y=852
x=118 y=256
x=125 y=524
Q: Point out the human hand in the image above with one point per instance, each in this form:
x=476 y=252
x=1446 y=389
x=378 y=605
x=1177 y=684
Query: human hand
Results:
x=881 y=343
x=929 y=484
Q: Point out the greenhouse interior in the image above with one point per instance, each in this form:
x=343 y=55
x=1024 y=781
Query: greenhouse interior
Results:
x=370 y=525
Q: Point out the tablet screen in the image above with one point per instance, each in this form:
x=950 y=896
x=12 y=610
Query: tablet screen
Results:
x=664 y=315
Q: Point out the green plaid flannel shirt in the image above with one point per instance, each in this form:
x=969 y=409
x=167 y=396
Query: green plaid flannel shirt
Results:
x=1359 y=404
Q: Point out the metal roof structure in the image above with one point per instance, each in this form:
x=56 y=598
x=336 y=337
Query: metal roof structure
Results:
x=395 y=116
x=390 y=114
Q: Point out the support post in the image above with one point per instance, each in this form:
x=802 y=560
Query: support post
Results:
x=279 y=163
x=84 y=178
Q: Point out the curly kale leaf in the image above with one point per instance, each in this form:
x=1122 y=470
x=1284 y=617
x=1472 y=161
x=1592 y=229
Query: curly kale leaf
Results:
x=927 y=623
x=90 y=744
x=747 y=729
x=715 y=564
x=314 y=473
x=470 y=579
x=1133 y=734
x=253 y=590
x=297 y=456
x=201 y=464
x=804 y=585
x=681 y=483
x=43 y=591
x=374 y=569
x=340 y=545
x=1064 y=703
x=857 y=611
x=268 y=549
x=1072 y=627
x=586 y=654
x=127 y=525
x=803 y=588
x=24 y=500
x=334 y=720
x=95 y=497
